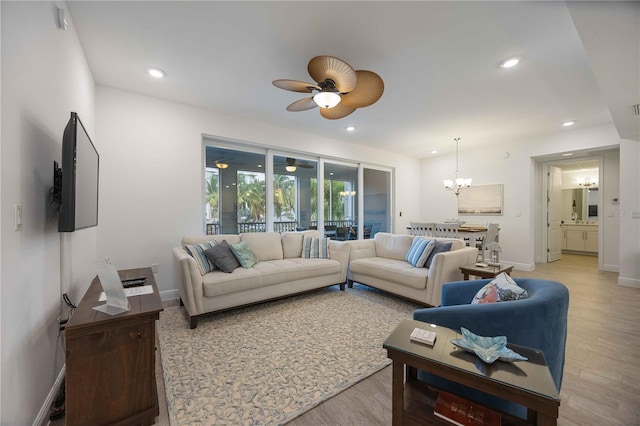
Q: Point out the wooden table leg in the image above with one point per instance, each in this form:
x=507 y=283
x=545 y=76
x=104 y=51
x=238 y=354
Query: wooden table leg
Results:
x=397 y=399
x=466 y=276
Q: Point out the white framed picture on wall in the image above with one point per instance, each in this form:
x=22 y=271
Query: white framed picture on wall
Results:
x=481 y=200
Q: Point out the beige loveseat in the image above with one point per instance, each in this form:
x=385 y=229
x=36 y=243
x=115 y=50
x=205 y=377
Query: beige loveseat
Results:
x=380 y=263
x=280 y=271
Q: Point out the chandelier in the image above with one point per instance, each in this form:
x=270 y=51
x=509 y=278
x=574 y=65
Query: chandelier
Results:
x=458 y=184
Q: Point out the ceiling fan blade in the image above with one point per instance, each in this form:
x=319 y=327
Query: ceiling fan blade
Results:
x=329 y=67
x=339 y=111
x=304 y=165
x=302 y=105
x=369 y=89
x=295 y=85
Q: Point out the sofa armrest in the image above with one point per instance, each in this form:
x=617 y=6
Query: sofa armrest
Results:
x=190 y=282
x=339 y=250
x=445 y=268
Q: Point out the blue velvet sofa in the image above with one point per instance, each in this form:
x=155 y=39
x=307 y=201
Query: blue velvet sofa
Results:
x=539 y=321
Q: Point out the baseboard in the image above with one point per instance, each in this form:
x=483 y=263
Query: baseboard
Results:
x=629 y=282
x=611 y=268
x=169 y=295
x=521 y=266
x=43 y=415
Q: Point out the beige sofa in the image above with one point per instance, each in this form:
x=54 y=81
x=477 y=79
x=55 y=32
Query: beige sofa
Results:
x=280 y=271
x=380 y=263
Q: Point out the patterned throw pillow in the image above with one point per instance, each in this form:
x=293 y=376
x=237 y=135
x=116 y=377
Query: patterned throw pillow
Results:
x=502 y=288
x=197 y=252
x=439 y=247
x=315 y=248
x=419 y=251
x=243 y=253
x=222 y=256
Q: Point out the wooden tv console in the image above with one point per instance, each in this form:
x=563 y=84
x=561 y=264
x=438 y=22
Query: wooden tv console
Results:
x=110 y=360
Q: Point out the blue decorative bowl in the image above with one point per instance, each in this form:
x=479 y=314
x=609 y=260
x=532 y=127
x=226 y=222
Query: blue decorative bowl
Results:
x=488 y=349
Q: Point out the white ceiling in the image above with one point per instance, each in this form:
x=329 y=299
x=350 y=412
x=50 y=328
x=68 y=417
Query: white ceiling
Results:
x=439 y=62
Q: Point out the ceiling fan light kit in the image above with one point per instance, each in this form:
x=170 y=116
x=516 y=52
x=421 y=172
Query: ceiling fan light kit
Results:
x=339 y=89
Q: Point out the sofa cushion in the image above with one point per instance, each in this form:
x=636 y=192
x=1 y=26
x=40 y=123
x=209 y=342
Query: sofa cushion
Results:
x=222 y=256
x=501 y=288
x=267 y=273
x=419 y=251
x=244 y=254
x=265 y=245
x=438 y=247
x=197 y=252
x=392 y=246
x=395 y=271
x=315 y=248
x=292 y=242
x=287 y=270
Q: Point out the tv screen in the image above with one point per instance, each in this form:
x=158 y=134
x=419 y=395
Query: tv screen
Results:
x=593 y=210
x=79 y=189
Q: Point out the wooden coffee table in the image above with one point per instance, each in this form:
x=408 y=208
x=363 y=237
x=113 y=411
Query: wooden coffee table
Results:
x=484 y=272
x=528 y=383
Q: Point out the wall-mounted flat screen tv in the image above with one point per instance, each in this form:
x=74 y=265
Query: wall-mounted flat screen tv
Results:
x=593 y=210
x=79 y=183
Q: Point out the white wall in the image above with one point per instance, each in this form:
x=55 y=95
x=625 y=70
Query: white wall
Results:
x=628 y=212
x=521 y=223
x=44 y=78
x=151 y=173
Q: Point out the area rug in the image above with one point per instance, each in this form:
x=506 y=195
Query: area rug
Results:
x=269 y=363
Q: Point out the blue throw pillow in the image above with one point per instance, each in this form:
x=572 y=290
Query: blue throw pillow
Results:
x=197 y=252
x=439 y=247
x=315 y=248
x=419 y=251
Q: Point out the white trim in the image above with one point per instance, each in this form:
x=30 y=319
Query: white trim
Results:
x=169 y=295
x=611 y=268
x=43 y=415
x=629 y=282
x=520 y=266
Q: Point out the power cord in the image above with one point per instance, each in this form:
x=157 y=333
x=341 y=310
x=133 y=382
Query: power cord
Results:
x=72 y=308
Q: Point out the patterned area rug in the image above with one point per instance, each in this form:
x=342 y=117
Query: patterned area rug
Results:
x=270 y=363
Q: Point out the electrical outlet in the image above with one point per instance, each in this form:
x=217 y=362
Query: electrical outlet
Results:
x=154 y=268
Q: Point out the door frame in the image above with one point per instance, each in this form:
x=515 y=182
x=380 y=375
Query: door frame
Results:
x=541 y=223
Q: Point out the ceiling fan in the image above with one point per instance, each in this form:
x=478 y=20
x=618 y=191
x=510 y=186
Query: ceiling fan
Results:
x=339 y=89
x=291 y=164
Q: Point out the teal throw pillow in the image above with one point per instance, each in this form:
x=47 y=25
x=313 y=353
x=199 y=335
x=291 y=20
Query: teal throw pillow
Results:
x=197 y=252
x=419 y=251
x=439 y=247
x=315 y=248
x=244 y=254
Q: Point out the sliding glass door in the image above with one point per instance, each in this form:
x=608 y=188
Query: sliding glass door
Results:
x=253 y=189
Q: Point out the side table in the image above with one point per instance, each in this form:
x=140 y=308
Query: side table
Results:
x=486 y=272
x=528 y=383
x=110 y=373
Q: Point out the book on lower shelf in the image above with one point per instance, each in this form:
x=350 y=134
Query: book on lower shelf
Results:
x=462 y=412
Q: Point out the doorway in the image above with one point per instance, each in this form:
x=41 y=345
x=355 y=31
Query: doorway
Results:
x=571 y=208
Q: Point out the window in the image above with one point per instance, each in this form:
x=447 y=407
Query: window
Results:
x=241 y=194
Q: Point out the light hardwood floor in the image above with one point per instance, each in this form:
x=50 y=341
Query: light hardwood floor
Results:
x=601 y=383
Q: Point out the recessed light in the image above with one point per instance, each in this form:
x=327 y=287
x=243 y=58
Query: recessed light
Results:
x=156 y=73
x=567 y=154
x=434 y=152
x=568 y=123
x=509 y=63
x=350 y=129
x=259 y=166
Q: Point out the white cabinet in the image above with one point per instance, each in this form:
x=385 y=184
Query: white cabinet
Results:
x=580 y=238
